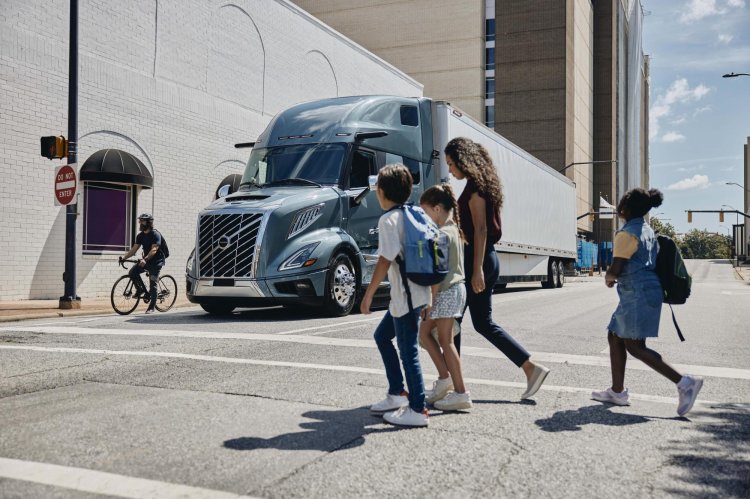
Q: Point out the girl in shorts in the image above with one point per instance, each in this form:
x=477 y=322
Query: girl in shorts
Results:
x=448 y=302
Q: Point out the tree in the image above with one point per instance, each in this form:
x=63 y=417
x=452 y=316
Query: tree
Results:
x=702 y=244
x=665 y=229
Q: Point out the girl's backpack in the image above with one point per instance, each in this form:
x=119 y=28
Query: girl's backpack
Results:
x=674 y=277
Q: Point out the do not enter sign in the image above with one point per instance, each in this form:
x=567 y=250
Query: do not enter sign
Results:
x=66 y=184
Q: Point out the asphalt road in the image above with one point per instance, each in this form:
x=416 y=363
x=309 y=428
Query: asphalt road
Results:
x=273 y=403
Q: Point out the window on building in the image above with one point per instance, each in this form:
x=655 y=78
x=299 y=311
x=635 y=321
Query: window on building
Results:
x=489 y=57
x=108 y=217
x=489 y=30
x=489 y=113
x=489 y=88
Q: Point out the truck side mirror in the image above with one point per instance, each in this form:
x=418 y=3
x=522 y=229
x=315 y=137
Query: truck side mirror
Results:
x=372 y=181
x=357 y=200
x=223 y=191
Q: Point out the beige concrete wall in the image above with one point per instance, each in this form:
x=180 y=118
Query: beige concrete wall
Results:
x=581 y=121
x=440 y=43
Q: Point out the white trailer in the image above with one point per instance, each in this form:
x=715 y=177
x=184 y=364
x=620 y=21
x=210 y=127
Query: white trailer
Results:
x=539 y=210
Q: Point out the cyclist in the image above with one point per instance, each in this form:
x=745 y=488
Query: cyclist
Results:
x=153 y=259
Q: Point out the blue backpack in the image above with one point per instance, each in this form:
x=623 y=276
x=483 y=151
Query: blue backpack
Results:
x=425 y=259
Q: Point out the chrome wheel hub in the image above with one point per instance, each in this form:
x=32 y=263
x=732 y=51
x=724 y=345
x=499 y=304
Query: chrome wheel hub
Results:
x=343 y=285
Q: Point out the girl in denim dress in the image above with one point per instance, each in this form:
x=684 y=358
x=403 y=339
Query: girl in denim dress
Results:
x=637 y=315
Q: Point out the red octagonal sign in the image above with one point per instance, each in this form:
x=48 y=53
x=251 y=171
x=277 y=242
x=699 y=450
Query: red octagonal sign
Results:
x=66 y=184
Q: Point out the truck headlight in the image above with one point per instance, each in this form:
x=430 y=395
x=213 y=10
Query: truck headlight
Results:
x=300 y=258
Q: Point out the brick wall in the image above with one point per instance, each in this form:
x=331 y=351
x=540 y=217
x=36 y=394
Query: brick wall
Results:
x=175 y=83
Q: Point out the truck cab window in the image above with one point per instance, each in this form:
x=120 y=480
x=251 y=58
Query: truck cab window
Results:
x=411 y=164
x=363 y=165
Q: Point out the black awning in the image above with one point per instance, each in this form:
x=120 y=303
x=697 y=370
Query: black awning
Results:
x=114 y=165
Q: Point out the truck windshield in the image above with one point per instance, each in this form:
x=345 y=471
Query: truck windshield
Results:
x=316 y=163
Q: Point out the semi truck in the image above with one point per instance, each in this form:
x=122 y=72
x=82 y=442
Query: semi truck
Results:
x=301 y=228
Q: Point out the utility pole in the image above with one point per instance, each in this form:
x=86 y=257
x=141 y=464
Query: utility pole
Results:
x=70 y=298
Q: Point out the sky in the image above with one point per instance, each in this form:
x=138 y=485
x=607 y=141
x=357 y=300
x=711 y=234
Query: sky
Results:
x=698 y=120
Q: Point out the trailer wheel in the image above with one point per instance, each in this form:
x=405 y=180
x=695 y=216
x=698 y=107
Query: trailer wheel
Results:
x=551 y=281
x=560 y=275
x=341 y=286
x=217 y=308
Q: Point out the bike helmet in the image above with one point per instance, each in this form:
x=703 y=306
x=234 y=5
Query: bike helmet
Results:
x=146 y=216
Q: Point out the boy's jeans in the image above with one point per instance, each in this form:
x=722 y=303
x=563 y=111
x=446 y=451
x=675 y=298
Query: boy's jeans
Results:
x=405 y=329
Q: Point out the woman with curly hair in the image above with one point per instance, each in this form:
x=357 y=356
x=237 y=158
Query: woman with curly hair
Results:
x=479 y=211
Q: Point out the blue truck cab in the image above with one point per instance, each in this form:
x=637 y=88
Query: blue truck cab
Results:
x=302 y=227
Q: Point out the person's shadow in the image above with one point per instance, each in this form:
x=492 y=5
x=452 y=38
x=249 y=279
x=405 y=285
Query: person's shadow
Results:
x=332 y=430
x=600 y=414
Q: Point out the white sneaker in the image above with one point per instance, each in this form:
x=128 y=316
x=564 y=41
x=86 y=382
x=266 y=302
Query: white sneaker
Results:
x=440 y=389
x=611 y=397
x=390 y=403
x=688 y=389
x=535 y=381
x=406 y=416
x=455 y=402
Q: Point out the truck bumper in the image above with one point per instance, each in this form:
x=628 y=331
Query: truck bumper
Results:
x=303 y=289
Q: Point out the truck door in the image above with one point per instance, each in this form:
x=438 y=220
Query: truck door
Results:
x=362 y=223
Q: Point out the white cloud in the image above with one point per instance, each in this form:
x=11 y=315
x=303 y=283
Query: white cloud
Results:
x=701 y=110
x=679 y=121
x=679 y=92
x=725 y=39
x=672 y=137
x=691 y=169
x=695 y=182
x=700 y=9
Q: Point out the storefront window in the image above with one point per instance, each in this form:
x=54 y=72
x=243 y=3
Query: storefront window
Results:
x=107 y=217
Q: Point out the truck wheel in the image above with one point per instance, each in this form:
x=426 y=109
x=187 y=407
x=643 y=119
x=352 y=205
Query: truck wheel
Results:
x=341 y=286
x=552 y=272
x=560 y=275
x=217 y=308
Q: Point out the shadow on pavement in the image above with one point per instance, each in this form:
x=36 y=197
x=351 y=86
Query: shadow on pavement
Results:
x=600 y=414
x=506 y=402
x=333 y=430
x=717 y=462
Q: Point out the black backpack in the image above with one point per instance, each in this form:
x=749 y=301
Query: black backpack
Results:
x=673 y=275
x=163 y=247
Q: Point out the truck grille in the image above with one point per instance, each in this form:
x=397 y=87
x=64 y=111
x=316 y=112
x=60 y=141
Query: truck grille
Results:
x=226 y=244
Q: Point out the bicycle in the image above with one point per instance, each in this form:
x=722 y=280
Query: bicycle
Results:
x=125 y=296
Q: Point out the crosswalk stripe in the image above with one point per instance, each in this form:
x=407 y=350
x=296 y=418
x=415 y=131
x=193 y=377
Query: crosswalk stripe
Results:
x=100 y=482
x=585 y=360
x=306 y=365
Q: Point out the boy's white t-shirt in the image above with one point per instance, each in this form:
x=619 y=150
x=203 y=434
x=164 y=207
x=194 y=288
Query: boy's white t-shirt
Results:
x=390 y=245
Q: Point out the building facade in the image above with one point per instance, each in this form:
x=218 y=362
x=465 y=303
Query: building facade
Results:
x=172 y=83
x=564 y=79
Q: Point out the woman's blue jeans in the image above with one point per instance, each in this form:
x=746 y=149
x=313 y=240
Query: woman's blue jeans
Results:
x=406 y=330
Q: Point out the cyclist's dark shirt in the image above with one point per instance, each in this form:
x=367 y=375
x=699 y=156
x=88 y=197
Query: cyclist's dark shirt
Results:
x=148 y=240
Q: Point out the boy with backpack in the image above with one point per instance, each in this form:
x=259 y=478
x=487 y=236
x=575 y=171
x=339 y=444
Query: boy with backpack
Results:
x=407 y=300
x=634 y=270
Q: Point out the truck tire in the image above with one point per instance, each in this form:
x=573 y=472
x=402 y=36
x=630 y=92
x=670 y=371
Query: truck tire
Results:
x=552 y=271
x=560 y=275
x=217 y=308
x=341 y=286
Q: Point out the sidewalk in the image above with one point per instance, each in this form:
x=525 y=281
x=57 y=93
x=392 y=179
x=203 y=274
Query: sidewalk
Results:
x=743 y=272
x=44 y=309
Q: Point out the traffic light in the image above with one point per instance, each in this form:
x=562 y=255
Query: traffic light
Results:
x=721 y=216
x=54 y=147
x=690 y=217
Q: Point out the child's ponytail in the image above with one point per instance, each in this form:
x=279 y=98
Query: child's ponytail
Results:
x=443 y=195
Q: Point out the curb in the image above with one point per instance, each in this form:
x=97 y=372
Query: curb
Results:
x=72 y=313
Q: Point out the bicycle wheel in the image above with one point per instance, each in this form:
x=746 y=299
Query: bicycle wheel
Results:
x=124 y=296
x=166 y=293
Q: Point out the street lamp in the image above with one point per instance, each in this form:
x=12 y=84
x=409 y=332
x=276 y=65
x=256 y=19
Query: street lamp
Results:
x=736 y=213
x=738 y=185
x=734 y=75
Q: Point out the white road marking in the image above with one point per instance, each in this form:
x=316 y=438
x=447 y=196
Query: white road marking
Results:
x=100 y=482
x=312 y=328
x=322 y=367
x=583 y=360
